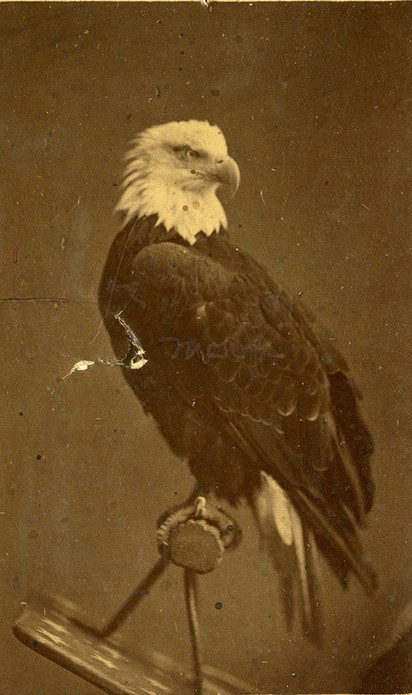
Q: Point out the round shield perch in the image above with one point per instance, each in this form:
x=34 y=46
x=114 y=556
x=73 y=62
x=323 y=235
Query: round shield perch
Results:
x=196 y=545
x=195 y=537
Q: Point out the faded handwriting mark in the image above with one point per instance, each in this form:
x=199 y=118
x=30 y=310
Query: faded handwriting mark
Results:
x=14 y=255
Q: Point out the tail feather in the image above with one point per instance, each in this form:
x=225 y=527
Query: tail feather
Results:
x=315 y=624
x=309 y=580
x=294 y=554
x=353 y=430
x=338 y=541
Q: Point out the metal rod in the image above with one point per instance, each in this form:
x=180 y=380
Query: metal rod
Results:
x=135 y=597
x=190 y=582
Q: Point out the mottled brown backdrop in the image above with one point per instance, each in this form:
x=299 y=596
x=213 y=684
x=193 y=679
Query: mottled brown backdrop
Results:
x=314 y=100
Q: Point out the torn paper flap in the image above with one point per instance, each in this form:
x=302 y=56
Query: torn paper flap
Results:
x=80 y=366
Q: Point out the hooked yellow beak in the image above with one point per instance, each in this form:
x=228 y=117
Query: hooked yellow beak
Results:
x=227 y=174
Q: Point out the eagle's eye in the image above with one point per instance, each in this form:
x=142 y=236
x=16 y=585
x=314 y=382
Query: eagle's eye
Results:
x=190 y=154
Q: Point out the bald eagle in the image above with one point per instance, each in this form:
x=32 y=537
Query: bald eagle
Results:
x=237 y=377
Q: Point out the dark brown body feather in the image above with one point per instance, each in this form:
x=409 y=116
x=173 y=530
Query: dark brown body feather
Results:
x=239 y=381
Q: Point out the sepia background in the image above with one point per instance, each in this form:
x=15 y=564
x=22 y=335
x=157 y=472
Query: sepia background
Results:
x=314 y=100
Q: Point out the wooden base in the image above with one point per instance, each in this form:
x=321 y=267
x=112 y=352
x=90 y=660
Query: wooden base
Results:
x=49 y=631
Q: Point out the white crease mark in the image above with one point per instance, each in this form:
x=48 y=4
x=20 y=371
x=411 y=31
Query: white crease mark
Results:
x=138 y=360
x=83 y=365
x=80 y=366
x=67 y=211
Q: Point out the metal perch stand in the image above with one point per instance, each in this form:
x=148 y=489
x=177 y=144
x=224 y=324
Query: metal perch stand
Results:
x=193 y=619
x=192 y=537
